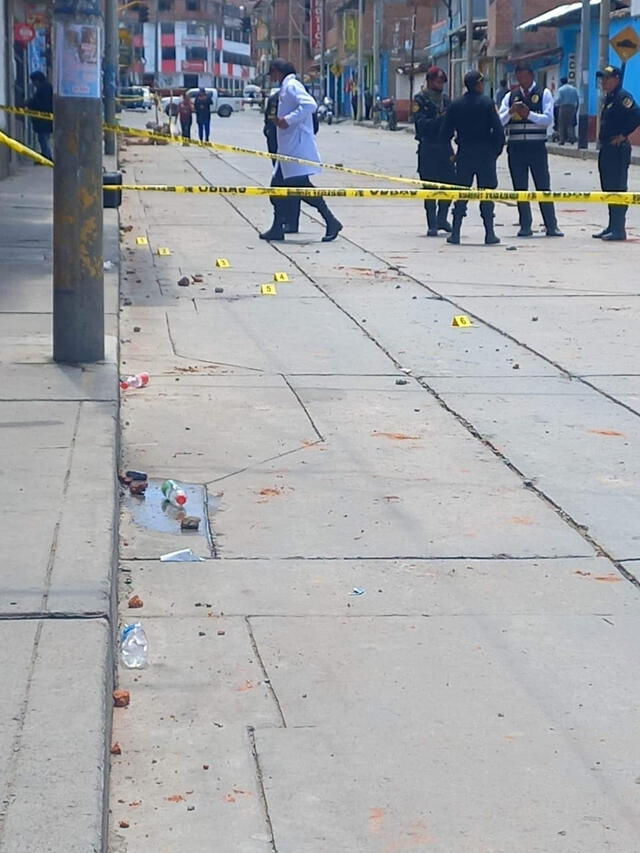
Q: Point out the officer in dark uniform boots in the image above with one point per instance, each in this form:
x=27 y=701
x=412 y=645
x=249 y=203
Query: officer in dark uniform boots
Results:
x=620 y=117
x=435 y=160
x=526 y=113
x=480 y=137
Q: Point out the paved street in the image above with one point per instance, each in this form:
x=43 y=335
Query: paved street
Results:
x=480 y=485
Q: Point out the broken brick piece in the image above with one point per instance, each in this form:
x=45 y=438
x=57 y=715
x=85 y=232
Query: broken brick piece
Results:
x=138 y=487
x=183 y=282
x=124 y=824
x=116 y=749
x=135 y=601
x=190 y=522
x=121 y=698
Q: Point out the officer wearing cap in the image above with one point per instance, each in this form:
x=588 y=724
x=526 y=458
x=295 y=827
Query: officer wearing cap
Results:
x=435 y=160
x=620 y=117
x=527 y=113
x=480 y=138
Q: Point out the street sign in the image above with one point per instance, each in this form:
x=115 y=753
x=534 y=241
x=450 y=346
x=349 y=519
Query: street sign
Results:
x=626 y=43
x=23 y=33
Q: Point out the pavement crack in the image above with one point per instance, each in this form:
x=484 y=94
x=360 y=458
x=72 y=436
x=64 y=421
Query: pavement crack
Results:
x=260 y=780
x=256 y=465
x=256 y=651
x=303 y=406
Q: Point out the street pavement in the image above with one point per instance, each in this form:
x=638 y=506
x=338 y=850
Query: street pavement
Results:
x=58 y=433
x=478 y=485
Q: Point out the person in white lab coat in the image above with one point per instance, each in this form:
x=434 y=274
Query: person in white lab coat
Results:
x=296 y=138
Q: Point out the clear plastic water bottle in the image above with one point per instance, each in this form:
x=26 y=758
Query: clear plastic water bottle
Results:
x=137 y=381
x=173 y=493
x=134 y=646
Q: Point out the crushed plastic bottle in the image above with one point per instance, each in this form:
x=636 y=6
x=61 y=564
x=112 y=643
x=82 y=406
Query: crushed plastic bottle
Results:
x=137 y=381
x=134 y=646
x=173 y=493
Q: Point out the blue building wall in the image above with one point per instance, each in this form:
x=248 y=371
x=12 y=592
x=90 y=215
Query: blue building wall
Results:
x=568 y=40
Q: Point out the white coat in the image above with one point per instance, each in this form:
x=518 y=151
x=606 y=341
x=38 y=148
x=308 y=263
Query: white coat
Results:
x=297 y=107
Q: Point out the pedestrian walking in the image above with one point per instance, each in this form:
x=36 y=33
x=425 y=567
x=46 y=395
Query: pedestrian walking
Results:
x=503 y=89
x=567 y=101
x=42 y=101
x=185 y=114
x=526 y=113
x=295 y=138
x=202 y=104
x=480 y=138
x=435 y=158
x=620 y=117
x=270 y=130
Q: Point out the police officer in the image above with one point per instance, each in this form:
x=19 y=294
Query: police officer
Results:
x=480 y=137
x=620 y=117
x=270 y=130
x=527 y=112
x=435 y=160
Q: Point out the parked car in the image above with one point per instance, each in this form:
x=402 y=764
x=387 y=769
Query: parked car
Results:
x=223 y=104
x=134 y=98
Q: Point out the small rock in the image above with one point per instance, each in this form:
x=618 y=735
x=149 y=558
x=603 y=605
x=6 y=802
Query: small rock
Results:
x=221 y=633
x=138 y=487
x=512 y=248
x=190 y=522
x=124 y=824
x=121 y=698
x=198 y=278
x=134 y=602
x=515 y=367
x=136 y=329
x=534 y=319
x=126 y=302
x=191 y=808
x=205 y=766
x=219 y=290
x=184 y=281
x=116 y=749
x=402 y=381
x=201 y=634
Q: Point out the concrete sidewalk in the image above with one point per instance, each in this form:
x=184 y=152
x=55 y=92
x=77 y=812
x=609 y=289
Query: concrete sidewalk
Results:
x=58 y=434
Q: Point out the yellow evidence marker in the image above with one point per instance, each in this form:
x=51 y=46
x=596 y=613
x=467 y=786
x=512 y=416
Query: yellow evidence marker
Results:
x=222 y=263
x=164 y=251
x=281 y=276
x=268 y=290
x=142 y=241
x=461 y=321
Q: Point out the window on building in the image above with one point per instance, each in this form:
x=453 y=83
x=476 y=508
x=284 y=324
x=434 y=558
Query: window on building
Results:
x=168 y=53
x=166 y=28
x=190 y=81
x=195 y=54
x=192 y=5
x=195 y=29
x=165 y=5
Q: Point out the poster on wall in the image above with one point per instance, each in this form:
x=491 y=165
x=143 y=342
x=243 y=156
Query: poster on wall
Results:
x=78 y=72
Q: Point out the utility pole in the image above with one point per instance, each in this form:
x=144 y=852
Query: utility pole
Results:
x=377 y=25
x=360 y=111
x=78 y=285
x=111 y=63
x=469 y=35
x=290 y=34
x=583 y=116
x=323 y=37
x=413 y=53
x=603 y=47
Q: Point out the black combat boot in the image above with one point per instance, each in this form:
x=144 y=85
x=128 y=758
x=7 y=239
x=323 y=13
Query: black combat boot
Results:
x=432 y=218
x=454 y=237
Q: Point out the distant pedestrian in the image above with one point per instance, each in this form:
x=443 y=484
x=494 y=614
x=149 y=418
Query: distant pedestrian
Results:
x=185 y=114
x=435 y=158
x=620 y=117
x=566 y=101
x=503 y=88
x=368 y=102
x=270 y=130
x=202 y=105
x=527 y=113
x=480 y=137
x=295 y=138
x=42 y=101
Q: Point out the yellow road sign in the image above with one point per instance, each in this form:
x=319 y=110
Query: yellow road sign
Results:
x=626 y=43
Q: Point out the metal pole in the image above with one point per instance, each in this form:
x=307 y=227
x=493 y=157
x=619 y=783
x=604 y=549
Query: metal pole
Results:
x=469 y=35
x=323 y=37
x=78 y=286
x=413 y=53
x=377 y=20
x=603 y=48
x=360 y=112
x=111 y=60
x=290 y=34
x=583 y=117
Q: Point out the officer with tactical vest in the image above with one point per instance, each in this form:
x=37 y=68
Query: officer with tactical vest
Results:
x=620 y=117
x=526 y=112
x=435 y=159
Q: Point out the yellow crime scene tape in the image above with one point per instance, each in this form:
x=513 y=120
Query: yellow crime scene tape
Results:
x=426 y=190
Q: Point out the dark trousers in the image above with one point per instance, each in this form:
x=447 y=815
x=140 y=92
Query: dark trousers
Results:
x=186 y=129
x=479 y=163
x=45 y=145
x=613 y=165
x=284 y=208
x=204 y=129
x=434 y=164
x=525 y=157
x=567 y=123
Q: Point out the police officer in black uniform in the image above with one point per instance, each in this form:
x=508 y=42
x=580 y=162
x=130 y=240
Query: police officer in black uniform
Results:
x=480 y=137
x=527 y=113
x=435 y=159
x=620 y=117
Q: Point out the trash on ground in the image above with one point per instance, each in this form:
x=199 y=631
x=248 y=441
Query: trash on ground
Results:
x=184 y=281
x=134 y=602
x=124 y=824
x=515 y=367
x=402 y=381
x=198 y=278
x=121 y=698
x=107 y=265
x=357 y=590
x=138 y=487
x=512 y=248
x=186 y=555
x=134 y=646
x=137 y=329
x=136 y=475
x=174 y=493
x=137 y=381
x=116 y=749
x=190 y=522
x=219 y=290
